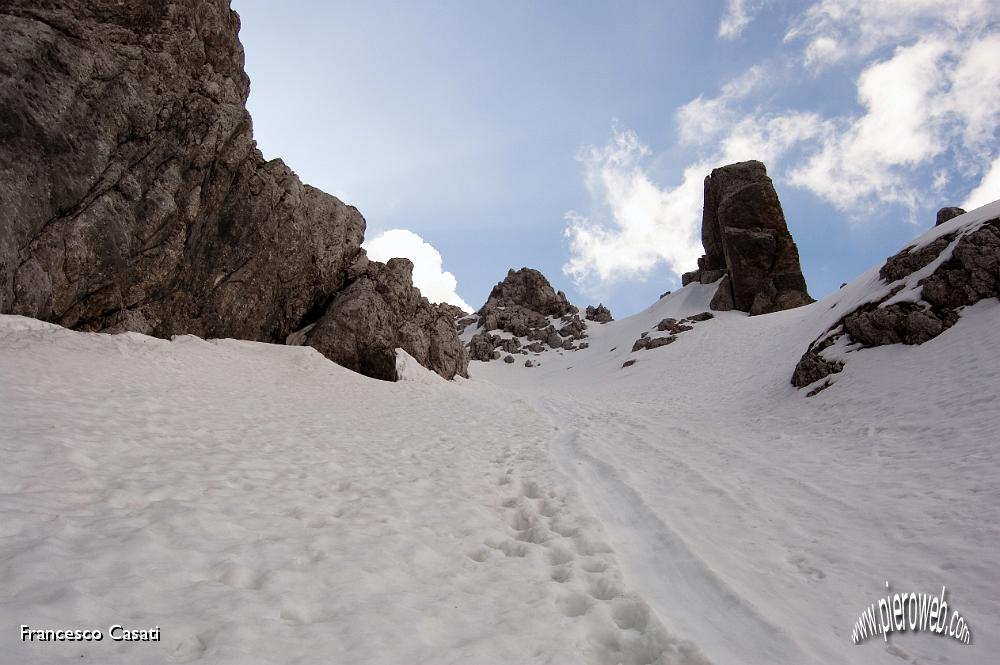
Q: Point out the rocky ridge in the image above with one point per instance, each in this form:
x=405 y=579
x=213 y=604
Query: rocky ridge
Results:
x=924 y=289
x=136 y=199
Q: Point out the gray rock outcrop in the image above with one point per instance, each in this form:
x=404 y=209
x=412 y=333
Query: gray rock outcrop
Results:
x=379 y=311
x=527 y=288
x=525 y=305
x=652 y=342
x=481 y=346
x=135 y=198
x=672 y=327
x=747 y=243
x=458 y=315
x=968 y=273
x=946 y=214
x=599 y=314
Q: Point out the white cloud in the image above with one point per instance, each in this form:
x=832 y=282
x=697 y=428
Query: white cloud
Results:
x=988 y=189
x=858 y=162
x=768 y=137
x=837 y=29
x=934 y=95
x=648 y=224
x=434 y=282
x=823 y=49
x=940 y=180
x=701 y=119
x=739 y=14
x=733 y=134
x=974 y=96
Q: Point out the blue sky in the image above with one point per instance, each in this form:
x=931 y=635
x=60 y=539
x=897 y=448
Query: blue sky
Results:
x=574 y=137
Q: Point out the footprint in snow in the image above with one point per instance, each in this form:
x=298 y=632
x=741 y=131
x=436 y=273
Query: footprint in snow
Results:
x=802 y=564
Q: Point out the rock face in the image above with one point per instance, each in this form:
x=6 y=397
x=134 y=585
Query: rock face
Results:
x=524 y=305
x=970 y=275
x=527 y=288
x=969 y=271
x=945 y=214
x=481 y=347
x=456 y=313
x=747 y=243
x=380 y=311
x=599 y=314
x=135 y=197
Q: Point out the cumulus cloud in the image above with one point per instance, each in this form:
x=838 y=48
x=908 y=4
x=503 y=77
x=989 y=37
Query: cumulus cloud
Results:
x=733 y=134
x=647 y=224
x=738 y=15
x=835 y=30
x=973 y=98
x=858 y=162
x=929 y=97
x=934 y=97
x=767 y=137
x=988 y=189
x=436 y=284
x=702 y=119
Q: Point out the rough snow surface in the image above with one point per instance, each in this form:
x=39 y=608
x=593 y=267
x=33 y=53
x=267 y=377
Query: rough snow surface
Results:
x=261 y=505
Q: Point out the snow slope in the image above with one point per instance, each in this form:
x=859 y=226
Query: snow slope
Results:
x=261 y=505
x=760 y=523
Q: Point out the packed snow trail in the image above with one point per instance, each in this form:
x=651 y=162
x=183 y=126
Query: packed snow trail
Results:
x=759 y=523
x=653 y=555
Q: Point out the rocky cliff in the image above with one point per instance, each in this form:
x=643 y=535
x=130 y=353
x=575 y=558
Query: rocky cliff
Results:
x=921 y=293
x=380 y=310
x=747 y=243
x=134 y=197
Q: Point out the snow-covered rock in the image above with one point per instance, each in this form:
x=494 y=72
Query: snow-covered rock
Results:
x=922 y=293
x=524 y=313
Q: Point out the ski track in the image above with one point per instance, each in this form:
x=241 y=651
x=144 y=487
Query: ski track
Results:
x=758 y=523
x=670 y=571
